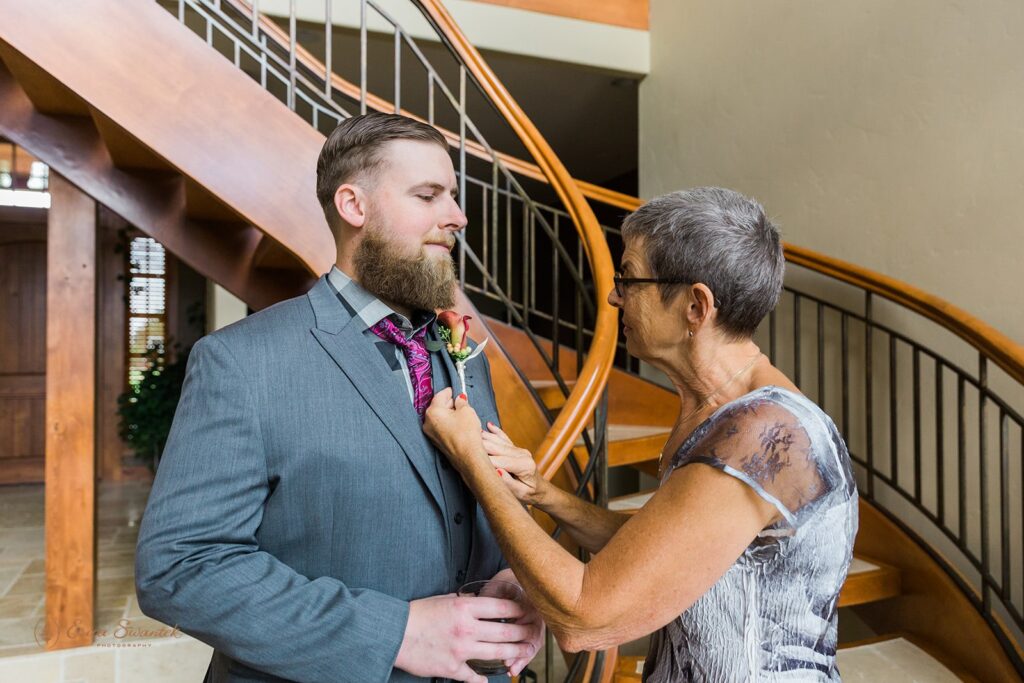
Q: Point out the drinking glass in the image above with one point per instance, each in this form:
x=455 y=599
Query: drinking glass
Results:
x=493 y=588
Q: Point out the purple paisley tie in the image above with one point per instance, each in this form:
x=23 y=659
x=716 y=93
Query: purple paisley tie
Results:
x=416 y=357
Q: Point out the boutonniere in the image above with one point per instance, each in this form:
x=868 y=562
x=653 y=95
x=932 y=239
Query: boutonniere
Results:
x=454 y=332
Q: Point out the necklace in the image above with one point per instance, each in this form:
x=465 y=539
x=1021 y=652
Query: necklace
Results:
x=707 y=400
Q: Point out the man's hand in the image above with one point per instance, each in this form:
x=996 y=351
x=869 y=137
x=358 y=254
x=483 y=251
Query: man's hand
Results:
x=531 y=618
x=445 y=631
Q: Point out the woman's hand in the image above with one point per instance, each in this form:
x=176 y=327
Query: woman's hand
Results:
x=510 y=459
x=455 y=428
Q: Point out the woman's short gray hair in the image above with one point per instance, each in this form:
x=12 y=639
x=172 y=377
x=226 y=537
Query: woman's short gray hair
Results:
x=717 y=237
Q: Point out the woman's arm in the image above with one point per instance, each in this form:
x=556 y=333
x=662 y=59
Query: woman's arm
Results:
x=589 y=525
x=658 y=563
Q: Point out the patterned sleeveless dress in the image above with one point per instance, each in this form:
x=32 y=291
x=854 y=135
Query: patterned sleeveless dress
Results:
x=773 y=615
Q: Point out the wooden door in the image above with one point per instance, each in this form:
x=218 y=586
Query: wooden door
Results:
x=22 y=349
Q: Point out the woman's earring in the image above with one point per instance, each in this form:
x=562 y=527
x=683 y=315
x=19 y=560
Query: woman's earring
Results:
x=690 y=333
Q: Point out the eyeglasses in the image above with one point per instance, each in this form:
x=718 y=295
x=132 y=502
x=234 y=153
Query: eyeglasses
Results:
x=621 y=283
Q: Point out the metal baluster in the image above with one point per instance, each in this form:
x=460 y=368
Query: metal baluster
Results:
x=485 y=235
x=531 y=255
x=986 y=594
x=940 y=444
x=328 y=49
x=508 y=237
x=601 y=448
x=495 y=218
x=263 y=61
x=579 y=309
x=917 y=424
x=525 y=284
x=462 y=136
x=255 y=19
x=894 y=430
x=556 y=325
x=398 y=70
x=1004 y=499
x=462 y=170
x=1020 y=430
x=291 y=54
x=549 y=655
x=181 y=11
x=430 y=101
x=362 y=56
x=869 y=416
x=844 y=352
x=796 y=339
x=961 y=401
x=821 y=356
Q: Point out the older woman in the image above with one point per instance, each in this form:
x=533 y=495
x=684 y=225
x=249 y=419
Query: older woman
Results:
x=737 y=560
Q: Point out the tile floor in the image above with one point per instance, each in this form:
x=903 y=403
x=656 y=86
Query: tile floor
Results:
x=116 y=656
x=129 y=647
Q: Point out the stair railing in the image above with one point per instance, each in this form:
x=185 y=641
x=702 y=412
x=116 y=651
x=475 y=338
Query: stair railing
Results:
x=930 y=400
x=937 y=446
x=563 y=300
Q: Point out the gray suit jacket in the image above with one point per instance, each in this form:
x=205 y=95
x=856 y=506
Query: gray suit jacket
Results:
x=298 y=507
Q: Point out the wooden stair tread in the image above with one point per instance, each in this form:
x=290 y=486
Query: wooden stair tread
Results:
x=549 y=383
x=618 y=433
x=631 y=502
x=867 y=580
x=634 y=445
x=628 y=669
x=549 y=393
x=894 y=658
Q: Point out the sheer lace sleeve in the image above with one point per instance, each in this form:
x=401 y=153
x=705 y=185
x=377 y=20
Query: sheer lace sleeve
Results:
x=764 y=444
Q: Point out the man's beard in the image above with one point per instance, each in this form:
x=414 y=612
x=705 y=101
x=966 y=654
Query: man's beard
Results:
x=419 y=282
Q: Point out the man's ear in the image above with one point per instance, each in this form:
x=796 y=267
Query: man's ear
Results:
x=350 y=202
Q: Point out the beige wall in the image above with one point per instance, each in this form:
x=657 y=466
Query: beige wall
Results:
x=222 y=307
x=889 y=134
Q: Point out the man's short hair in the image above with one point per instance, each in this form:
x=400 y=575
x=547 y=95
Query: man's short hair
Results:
x=719 y=238
x=354 y=150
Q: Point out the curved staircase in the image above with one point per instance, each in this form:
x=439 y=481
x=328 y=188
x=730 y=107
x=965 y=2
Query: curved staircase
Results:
x=162 y=129
x=937 y=635
x=139 y=140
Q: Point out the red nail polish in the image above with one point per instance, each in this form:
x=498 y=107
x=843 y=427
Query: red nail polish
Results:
x=501 y=473
x=463 y=397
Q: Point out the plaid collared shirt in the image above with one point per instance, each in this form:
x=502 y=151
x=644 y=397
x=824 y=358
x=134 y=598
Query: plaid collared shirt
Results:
x=368 y=310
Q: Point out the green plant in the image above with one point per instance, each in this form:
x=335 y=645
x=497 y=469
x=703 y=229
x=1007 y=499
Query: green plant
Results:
x=147 y=409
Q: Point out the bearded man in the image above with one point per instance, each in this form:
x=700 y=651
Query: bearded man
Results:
x=300 y=522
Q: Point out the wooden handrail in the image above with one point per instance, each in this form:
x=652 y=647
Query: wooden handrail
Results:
x=583 y=398
x=999 y=348
x=1003 y=351
x=352 y=91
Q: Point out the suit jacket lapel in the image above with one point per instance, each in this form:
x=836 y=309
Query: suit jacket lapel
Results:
x=451 y=377
x=345 y=342
x=449 y=365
